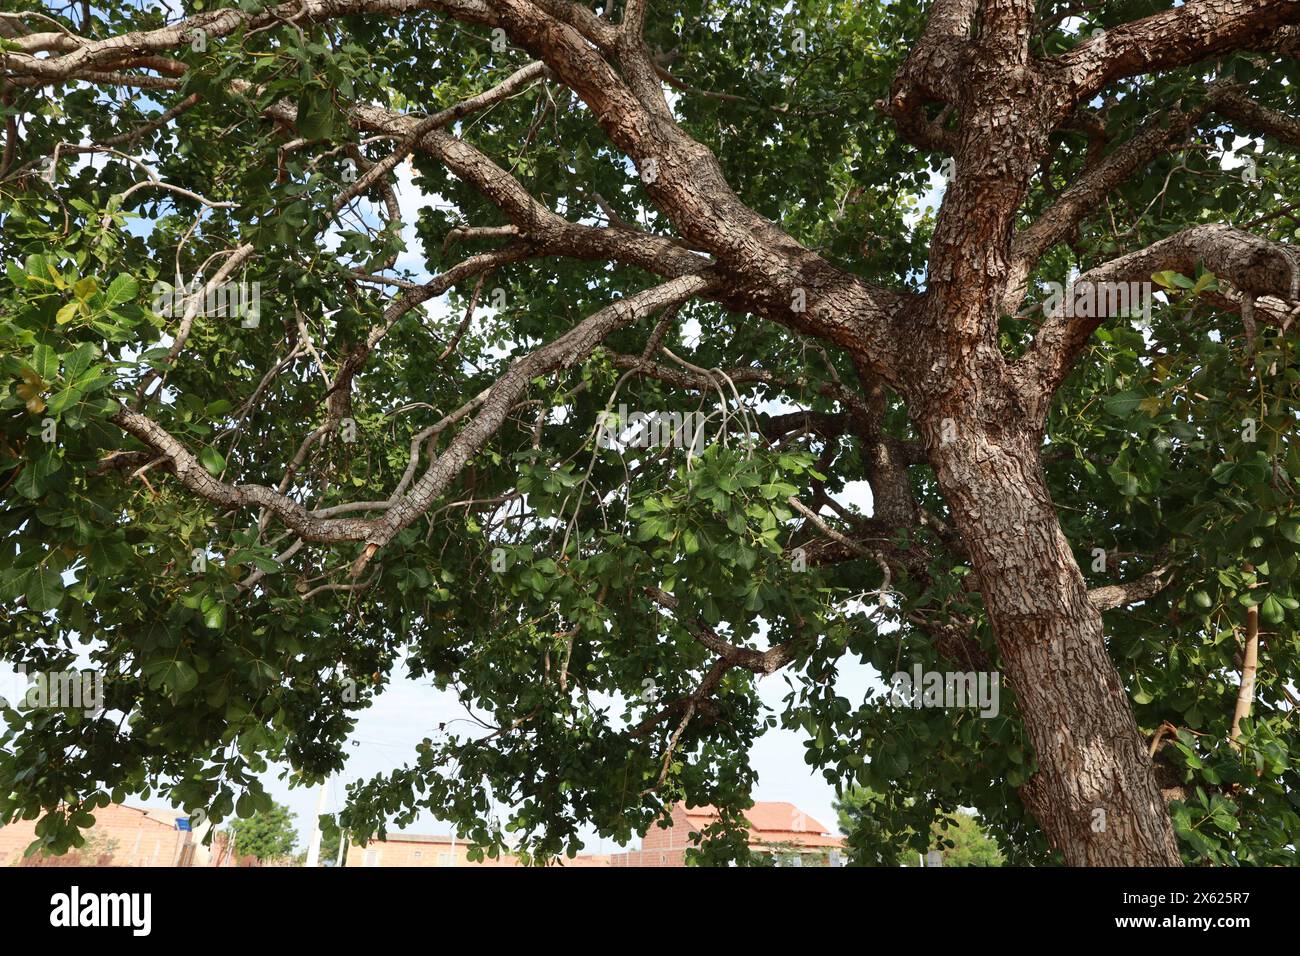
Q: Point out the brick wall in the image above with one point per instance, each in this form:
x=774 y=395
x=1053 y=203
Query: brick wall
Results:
x=668 y=846
x=661 y=847
x=135 y=836
x=398 y=852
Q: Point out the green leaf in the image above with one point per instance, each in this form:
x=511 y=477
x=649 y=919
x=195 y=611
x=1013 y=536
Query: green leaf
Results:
x=108 y=557
x=178 y=677
x=315 y=113
x=44 y=589
x=64 y=399
x=121 y=290
x=78 y=360
x=212 y=460
x=45 y=362
x=33 y=481
x=1123 y=404
x=67 y=313
x=1223 y=471
x=215 y=617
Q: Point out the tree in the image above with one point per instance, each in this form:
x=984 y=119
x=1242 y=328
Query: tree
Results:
x=957 y=834
x=352 y=432
x=964 y=843
x=330 y=835
x=267 y=835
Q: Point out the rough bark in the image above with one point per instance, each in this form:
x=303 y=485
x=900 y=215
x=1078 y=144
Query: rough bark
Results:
x=1094 y=793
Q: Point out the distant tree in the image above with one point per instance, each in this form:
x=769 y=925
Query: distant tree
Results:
x=869 y=819
x=788 y=853
x=267 y=834
x=783 y=854
x=971 y=846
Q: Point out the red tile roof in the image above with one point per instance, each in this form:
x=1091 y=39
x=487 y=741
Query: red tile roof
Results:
x=773 y=822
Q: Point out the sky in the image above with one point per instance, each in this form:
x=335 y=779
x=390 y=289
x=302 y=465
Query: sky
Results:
x=409 y=710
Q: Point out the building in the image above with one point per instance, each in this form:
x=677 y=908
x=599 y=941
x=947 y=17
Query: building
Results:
x=121 y=836
x=414 y=849
x=780 y=829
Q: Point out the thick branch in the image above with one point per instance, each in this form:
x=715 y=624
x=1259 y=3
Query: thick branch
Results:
x=1181 y=36
x=1255 y=266
x=564 y=351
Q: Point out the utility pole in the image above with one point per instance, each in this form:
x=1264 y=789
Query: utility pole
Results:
x=313 y=845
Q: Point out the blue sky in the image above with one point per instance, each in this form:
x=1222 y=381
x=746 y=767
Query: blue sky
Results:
x=408 y=711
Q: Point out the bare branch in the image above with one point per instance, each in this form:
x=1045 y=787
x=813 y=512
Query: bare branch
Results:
x=1120 y=595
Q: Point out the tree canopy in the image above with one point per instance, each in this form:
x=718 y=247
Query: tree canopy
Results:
x=266 y=834
x=829 y=235
x=957 y=836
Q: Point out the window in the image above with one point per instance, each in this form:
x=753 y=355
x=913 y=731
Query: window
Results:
x=372 y=858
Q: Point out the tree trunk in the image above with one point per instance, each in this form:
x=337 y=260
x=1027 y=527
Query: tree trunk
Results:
x=1094 y=794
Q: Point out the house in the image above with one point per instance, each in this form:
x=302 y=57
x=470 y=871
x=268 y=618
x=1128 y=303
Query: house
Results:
x=121 y=836
x=414 y=849
x=776 y=828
